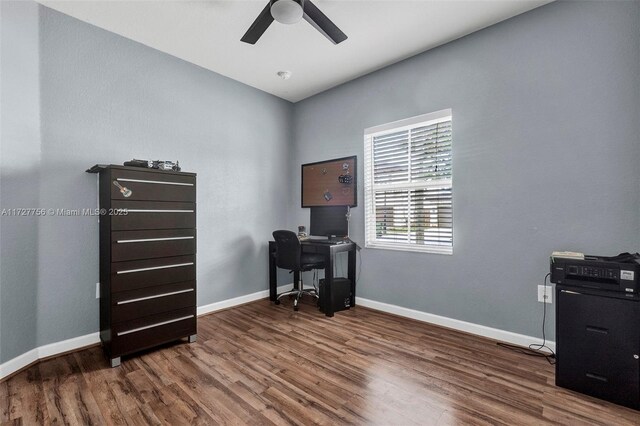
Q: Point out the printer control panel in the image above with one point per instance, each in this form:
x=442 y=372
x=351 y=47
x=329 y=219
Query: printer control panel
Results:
x=592 y=272
x=597 y=272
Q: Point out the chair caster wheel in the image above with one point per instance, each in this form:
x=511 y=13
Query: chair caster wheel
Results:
x=295 y=305
x=296 y=308
x=277 y=302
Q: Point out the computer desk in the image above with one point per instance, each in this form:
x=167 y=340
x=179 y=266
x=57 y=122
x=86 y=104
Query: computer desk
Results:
x=329 y=251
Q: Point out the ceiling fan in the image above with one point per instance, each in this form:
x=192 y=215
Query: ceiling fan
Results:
x=290 y=12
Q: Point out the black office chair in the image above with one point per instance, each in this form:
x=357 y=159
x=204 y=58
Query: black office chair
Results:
x=289 y=256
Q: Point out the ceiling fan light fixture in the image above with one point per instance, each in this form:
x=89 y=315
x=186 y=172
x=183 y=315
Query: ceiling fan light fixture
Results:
x=287 y=11
x=290 y=12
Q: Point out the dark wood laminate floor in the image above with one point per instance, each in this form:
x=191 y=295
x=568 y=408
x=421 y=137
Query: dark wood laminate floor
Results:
x=264 y=364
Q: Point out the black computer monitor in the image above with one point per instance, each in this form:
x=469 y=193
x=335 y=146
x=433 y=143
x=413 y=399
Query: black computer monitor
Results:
x=329 y=221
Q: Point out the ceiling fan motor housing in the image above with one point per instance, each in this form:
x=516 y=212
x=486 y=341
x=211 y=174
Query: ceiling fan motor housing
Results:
x=287 y=11
x=290 y=12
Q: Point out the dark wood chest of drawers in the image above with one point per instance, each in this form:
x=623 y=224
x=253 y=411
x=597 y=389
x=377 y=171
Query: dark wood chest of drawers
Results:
x=147 y=258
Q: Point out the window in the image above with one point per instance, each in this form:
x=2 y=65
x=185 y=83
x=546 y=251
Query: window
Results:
x=408 y=186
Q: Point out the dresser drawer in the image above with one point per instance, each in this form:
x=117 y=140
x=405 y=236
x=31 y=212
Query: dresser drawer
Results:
x=132 y=245
x=153 y=186
x=129 y=305
x=153 y=330
x=137 y=274
x=153 y=215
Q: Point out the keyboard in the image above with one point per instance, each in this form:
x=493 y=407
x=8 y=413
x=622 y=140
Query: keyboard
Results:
x=321 y=240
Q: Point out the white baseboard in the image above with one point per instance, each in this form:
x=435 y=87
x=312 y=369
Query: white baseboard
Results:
x=468 y=327
x=18 y=363
x=241 y=300
x=21 y=361
x=68 y=345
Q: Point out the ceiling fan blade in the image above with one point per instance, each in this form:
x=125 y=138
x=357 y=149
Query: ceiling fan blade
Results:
x=319 y=20
x=259 y=26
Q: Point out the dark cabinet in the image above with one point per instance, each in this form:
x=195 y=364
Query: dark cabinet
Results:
x=598 y=344
x=147 y=258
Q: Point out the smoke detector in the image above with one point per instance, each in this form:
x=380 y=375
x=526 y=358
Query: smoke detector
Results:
x=285 y=75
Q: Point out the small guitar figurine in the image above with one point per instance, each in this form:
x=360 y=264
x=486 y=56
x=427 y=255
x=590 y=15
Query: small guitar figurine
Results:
x=123 y=189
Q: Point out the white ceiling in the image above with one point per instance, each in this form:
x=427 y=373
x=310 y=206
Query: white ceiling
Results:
x=208 y=32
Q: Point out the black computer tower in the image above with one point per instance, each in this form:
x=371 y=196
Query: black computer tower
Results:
x=340 y=294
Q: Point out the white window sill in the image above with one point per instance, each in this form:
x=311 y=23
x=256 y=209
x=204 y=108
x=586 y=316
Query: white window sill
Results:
x=412 y=248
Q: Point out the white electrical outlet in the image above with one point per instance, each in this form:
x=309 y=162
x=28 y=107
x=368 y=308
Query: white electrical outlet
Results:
x=546 y=297
x=97 y=290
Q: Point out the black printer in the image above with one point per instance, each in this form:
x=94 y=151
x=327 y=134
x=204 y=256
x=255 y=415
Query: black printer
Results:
x=598 y=327
x=618 y=273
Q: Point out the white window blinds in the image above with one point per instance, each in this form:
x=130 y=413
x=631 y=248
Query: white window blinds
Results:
x=408 y=185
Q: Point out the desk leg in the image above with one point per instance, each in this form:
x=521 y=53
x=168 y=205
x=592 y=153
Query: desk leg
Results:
x=328 y=284
x=351 y=274
x=273 y=277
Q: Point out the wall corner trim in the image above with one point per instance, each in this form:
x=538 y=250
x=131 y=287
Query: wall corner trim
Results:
x=468 y=327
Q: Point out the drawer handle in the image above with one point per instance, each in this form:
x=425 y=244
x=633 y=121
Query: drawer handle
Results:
x=147 y=240
x=154 y=181
x=156 y=211
x=561 y=291
x=596 y=377
x=177 y=265
x=156 y=296
x=146 y=327
x=597 y=330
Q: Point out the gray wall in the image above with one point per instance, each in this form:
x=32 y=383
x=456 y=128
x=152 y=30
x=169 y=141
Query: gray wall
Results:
x=19 y=171
x=546 y=113
x=106 y=99
x=546 y=121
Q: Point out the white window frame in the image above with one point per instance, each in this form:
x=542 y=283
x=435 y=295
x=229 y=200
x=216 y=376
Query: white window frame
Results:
x=370 y=187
